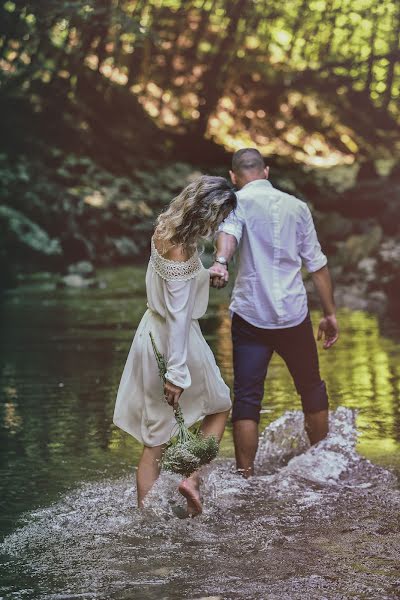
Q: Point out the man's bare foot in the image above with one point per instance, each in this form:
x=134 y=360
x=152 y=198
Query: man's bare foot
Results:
x=189 y=488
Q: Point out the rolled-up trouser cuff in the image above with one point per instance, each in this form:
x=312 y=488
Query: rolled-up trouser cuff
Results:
x=315 y=399
x=241 y=411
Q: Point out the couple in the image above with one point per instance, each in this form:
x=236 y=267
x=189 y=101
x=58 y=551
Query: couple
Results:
x=274 y=235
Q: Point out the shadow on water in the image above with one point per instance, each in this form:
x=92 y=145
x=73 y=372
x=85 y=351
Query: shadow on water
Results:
x=313 y=523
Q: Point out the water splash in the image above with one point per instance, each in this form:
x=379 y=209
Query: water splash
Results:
x=314 y=523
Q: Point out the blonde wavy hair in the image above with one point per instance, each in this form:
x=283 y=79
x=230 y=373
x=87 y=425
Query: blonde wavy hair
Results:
x=196 y=213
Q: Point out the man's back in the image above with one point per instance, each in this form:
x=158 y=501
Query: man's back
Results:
x=276 y=234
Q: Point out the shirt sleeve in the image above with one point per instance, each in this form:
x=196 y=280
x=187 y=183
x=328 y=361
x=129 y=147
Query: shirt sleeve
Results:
x=179 y=302
x=310 y=248
x=233 y=224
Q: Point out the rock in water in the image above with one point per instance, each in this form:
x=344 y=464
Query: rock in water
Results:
x=84 y=268
x=76 y=281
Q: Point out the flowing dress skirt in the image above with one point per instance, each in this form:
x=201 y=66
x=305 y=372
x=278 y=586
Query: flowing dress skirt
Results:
x=140 y=407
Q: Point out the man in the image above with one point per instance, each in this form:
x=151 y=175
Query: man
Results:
x=274 y=234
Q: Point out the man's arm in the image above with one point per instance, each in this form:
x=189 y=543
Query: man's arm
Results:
x=226 y=247
x=315 y=262
x=228 y=237
x=328 y=327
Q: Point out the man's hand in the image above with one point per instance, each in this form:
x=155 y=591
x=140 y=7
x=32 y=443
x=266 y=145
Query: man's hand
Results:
x=219 y=275
x=328 y=330
x=172 y=393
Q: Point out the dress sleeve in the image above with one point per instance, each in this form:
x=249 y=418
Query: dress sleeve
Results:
x=179 y=302
x=310 y=248
x=233 y=224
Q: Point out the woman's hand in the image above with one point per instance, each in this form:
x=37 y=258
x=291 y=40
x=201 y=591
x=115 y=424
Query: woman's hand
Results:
x=172 y=393
x=219 y=275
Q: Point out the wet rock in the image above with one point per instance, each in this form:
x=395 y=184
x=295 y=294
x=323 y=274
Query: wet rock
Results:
x=367 y=268
x=74 y=280
x=389 y=253
x=351 y=296
x=83 y=268
x=358 y=247
x=377 y=302
x=388 y=268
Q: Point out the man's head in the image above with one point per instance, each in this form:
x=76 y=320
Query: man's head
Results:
x=247 y=165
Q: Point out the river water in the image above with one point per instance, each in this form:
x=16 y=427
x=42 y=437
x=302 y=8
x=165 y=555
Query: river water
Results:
x=313 y=523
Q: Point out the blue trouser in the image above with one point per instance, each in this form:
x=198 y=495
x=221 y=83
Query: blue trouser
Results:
x=252 y=351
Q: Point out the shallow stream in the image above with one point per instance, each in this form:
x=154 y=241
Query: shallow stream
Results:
x=313 y=523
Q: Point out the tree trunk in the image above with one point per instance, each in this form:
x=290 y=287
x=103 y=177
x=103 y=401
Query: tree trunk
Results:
x=371 y=57
x=395 y=47
x=137 y=55
x=215 y=76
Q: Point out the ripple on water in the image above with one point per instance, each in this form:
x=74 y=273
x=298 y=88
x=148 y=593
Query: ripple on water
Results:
x=315 y=522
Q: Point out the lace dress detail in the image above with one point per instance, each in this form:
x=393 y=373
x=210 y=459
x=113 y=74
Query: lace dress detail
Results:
x=173 y=270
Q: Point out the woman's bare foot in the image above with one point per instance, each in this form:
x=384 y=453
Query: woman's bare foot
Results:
x=189 y=488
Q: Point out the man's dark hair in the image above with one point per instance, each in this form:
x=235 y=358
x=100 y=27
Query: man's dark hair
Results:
x=247 y=159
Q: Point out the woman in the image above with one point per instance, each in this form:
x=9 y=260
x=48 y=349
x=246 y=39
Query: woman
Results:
x=177 y=287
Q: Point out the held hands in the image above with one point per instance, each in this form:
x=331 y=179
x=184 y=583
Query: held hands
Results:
x=328 y=330
x=219 y=275
x=172 y=393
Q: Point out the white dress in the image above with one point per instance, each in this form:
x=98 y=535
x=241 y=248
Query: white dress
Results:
x=177 y=295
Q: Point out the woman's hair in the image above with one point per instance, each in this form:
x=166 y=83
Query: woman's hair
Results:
x=196 y=213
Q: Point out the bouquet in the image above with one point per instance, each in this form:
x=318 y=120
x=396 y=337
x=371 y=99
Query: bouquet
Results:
x=186 y=451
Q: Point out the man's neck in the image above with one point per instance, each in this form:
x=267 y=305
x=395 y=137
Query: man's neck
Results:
x=247 y=181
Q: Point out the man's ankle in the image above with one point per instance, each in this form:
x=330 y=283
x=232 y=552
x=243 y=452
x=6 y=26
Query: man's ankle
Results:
x=316 y=426
x=245 y=472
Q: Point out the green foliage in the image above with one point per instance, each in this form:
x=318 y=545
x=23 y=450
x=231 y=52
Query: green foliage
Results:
x=301 y=78
x=86 y=211
x=187 y=452
x=179 y=458
x=205 y=448
x=20 y=229
x=104 y=102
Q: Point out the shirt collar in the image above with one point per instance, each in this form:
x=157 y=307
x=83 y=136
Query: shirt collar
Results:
x=260 y=182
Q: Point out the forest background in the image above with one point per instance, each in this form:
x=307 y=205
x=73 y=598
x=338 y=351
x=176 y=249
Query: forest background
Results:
x=109 y=107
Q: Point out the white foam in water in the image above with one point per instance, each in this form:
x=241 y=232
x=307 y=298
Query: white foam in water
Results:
x=94 y=543
x=326 y=462
x=281 y=440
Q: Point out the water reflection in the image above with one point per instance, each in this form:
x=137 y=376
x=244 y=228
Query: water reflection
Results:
x=362 y=372
x=62 y=353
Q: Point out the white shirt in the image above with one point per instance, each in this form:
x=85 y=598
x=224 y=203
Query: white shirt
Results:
x=276 y=234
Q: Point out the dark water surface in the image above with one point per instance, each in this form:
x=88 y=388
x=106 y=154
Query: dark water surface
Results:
x=313 y=523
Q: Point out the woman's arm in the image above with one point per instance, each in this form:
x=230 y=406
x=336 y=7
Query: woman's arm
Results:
x=179 y=303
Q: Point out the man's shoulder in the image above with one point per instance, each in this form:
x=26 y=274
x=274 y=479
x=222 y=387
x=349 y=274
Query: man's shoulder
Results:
x=287 y=197
x=289 y=201
x=294 y=203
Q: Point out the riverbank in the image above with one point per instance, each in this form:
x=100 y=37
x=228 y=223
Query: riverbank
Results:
x=71 y=217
